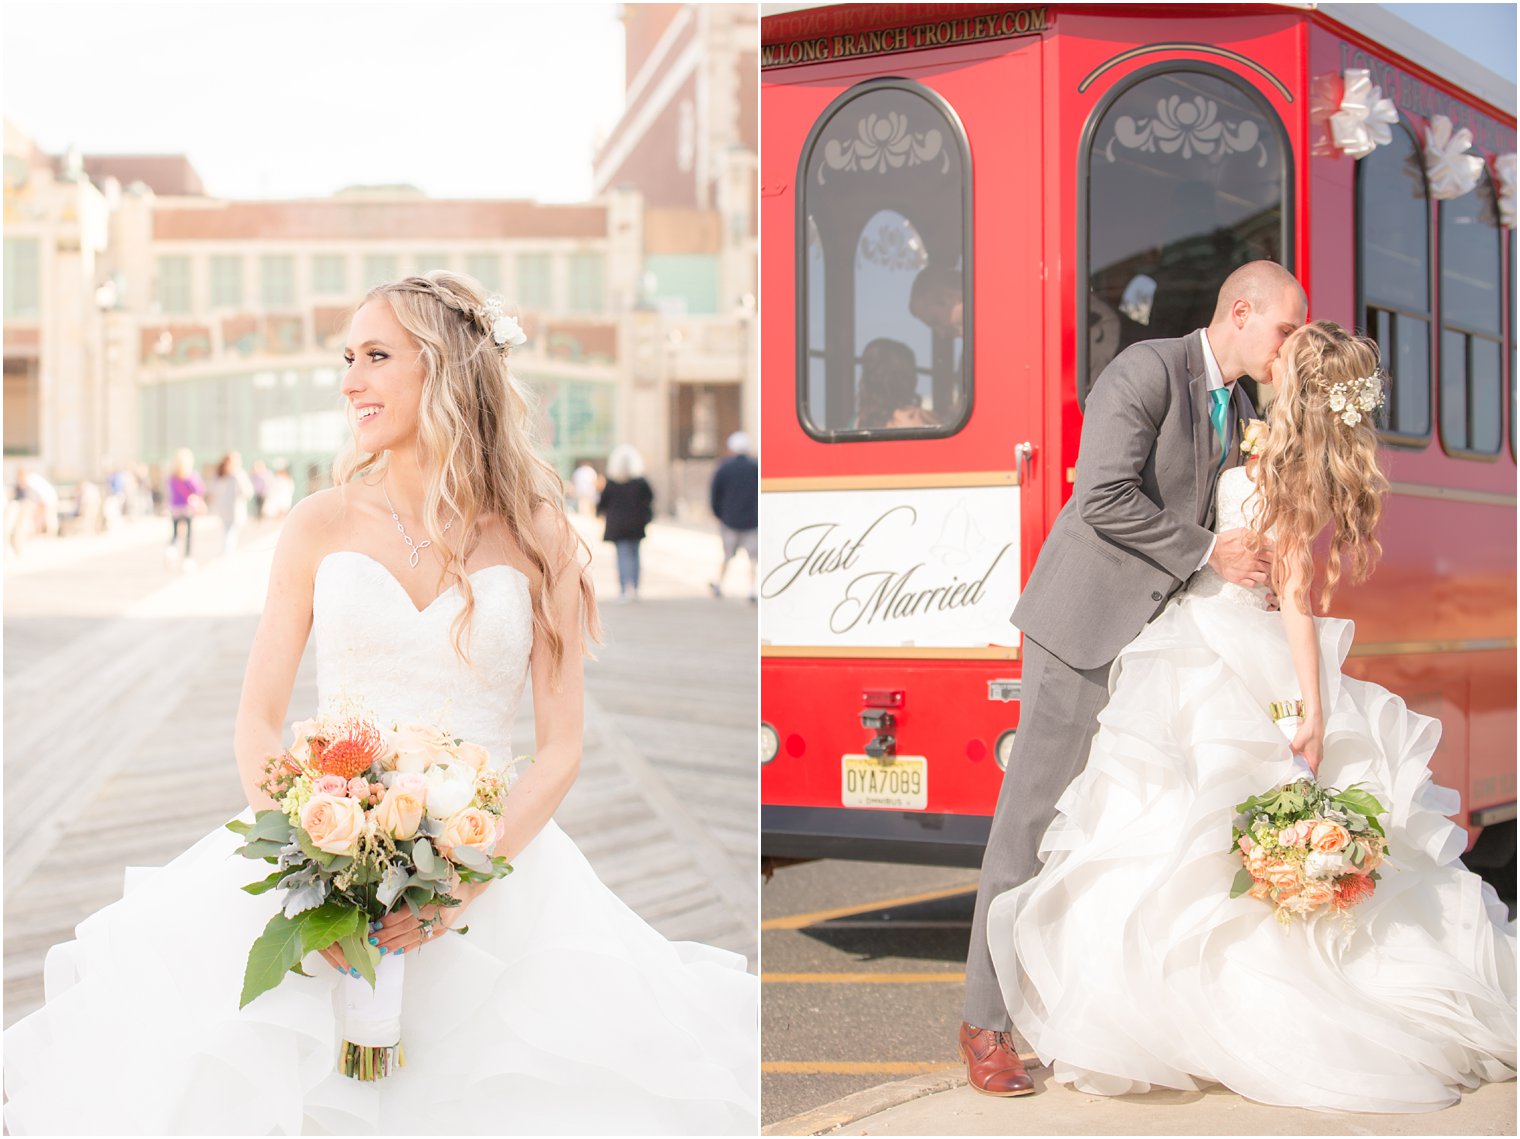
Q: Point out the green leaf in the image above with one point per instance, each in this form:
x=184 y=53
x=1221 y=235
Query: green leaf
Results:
x=238 y=826
x=262 y=848
x=360 y=953
x=271 y=825
x=266 y=884
x=475 y=859
x=329 y=922
x=1241 y=884
x=271 y=956
x=296 y=968
x=422 y=856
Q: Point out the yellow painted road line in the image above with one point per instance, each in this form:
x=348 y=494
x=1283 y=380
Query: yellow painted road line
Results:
x=801 y=921
x=856 y=1067
x=864 y=978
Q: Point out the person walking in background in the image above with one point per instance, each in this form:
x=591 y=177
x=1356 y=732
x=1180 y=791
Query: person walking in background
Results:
x=230 y=492
x=187 y=498
x=583 y=482
x=258 y=479
x=36 y=509
x=627 y=503
x=735 y=500
x=281 y=492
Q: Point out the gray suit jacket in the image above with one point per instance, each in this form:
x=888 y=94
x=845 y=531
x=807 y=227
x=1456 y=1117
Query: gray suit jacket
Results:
x=1138 y=521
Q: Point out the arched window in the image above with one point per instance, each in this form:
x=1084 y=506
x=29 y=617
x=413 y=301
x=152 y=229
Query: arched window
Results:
x=1393 y=278
x=1472 y=324
x=884 y=267
x=1187 y=179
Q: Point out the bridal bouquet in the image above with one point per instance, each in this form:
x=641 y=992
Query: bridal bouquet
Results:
x=1304 y=847
x=368 y=819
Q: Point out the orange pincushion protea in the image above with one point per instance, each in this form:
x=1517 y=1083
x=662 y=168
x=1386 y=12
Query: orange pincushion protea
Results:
x=350 y=753
x=1351 y=889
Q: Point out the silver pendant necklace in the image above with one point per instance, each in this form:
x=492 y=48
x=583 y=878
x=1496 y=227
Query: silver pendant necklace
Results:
x=416 y=549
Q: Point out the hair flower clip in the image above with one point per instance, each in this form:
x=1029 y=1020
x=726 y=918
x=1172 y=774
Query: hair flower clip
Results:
x=505 y=330
x=1349 y=400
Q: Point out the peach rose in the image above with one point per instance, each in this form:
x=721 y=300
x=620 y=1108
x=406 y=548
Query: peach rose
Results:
x=1245 y=844
x=400 y=811
x=331 y=785
x=358 y=788
x=1289 y=837
x=333 y=823
x=1316 y=894
x=469 y=827
x=304 y=731
x=417 y=747
x=1259 y=890
x=471 y=755
x=1328 y=837
x=1283 y=876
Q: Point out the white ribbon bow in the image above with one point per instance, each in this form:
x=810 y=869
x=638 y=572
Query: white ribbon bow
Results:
x=1504 y=167
x=1362 y=124
x=1451 y=170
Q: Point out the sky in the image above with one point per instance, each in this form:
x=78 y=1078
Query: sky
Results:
x=293 y=100
x=1484 y=32
x=458 y=98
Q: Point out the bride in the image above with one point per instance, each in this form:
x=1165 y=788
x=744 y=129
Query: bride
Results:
x=1125 y=963
x=436 y=576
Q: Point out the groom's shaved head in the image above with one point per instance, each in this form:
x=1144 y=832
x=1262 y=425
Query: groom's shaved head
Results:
x=1259 y=283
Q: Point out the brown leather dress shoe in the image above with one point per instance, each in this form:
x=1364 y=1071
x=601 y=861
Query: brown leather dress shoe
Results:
x=993 y=1066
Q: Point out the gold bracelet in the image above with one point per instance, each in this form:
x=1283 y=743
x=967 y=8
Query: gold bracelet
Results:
x=1282 y=709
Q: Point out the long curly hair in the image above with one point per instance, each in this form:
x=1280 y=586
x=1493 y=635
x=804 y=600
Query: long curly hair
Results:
x=475 y=436
x=1318 y=469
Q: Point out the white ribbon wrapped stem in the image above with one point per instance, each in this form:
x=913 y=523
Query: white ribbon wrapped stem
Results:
x=372 y=1017
x=1289 y=724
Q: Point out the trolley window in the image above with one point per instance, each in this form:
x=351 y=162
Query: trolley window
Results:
x=1187 y=179
x=884 y=267
x=1393 y=276
x=1472 y=328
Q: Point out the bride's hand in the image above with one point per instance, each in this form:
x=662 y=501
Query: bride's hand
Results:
x=1234 y=560
x=1309 y=742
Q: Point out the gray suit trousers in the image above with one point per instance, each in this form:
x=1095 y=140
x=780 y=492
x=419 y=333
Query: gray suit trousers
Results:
x=1057 y=721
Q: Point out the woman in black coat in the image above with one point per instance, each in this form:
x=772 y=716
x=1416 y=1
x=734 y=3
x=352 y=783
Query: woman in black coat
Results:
x=627 y=503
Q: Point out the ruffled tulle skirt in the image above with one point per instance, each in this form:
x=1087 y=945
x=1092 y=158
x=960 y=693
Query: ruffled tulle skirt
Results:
x=559 y=1012
x=1126 y=964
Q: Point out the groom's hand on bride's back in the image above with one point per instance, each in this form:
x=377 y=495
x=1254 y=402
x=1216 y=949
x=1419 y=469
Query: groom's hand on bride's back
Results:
x=1234 y=560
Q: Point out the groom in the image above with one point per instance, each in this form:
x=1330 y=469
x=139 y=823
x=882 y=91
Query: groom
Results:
x=1161 y=423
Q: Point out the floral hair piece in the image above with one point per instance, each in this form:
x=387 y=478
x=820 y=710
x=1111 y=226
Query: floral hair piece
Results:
x=1349 y=399
x=505 y=330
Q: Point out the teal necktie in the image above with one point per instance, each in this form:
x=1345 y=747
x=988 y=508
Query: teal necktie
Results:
x=1219 y=413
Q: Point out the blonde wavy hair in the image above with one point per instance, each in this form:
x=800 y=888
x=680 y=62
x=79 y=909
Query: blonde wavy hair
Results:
x=1316 y=469
x=475 y=435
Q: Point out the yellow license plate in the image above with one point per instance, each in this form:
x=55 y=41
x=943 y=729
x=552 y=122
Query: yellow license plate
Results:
x=897 y=784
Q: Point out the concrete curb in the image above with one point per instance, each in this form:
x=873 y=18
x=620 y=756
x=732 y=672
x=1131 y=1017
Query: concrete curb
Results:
x=858 y=1105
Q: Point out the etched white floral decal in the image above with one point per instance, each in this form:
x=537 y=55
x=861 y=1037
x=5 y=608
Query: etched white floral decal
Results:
x=883 y=142
x=1187 y=126
x=1365 y=117
x=1451 y=170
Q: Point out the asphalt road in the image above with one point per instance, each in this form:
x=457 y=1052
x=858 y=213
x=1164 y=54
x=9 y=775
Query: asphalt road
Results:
x=863 y=968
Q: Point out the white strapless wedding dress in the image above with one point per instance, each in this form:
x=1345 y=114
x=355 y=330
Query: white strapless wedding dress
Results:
x=1125 y=963
x=559 y=1012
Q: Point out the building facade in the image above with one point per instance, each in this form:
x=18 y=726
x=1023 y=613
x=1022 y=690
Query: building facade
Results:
x=143 y=314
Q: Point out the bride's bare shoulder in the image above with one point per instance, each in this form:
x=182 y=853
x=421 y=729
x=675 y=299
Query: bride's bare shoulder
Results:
x=310 y=528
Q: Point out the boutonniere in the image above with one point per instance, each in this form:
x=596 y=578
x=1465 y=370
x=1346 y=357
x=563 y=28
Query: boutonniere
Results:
x=1253 y=438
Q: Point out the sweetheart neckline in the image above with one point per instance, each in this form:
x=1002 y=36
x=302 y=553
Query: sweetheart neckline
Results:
x=451 y=589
